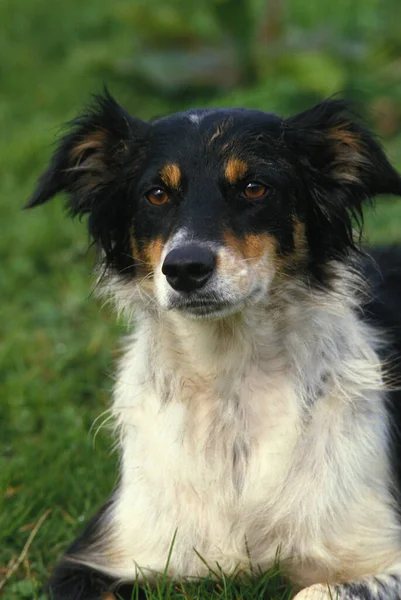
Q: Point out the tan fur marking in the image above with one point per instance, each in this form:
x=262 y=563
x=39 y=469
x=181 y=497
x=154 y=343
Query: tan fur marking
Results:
x=349 y=155
x=300 y=244
x=294 y=259
x=235 y=170
x=171 y=175
x=252 y=246
x=153 y=252
x=91 y=168
x=219 y=131
x=148 y=258
x=108 y=596
x=134 y=246
x=91 y=141
x=347 y=138
x=299 y=235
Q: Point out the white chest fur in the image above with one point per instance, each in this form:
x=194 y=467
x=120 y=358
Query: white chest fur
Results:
x=239 y=446
x=202 y=464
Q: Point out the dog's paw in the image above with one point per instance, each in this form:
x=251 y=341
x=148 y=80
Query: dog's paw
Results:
x=318 y=591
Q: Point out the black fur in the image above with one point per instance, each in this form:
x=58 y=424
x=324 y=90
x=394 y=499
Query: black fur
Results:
x=73 y=581
x=382 y=310
x=386 y=588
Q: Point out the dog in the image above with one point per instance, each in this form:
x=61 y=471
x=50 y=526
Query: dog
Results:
x=257 y=403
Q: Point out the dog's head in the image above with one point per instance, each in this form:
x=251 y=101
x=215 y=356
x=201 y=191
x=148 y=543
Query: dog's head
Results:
x=203 y=209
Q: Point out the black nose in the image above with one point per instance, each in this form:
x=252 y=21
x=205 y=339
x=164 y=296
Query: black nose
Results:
x=188 y=268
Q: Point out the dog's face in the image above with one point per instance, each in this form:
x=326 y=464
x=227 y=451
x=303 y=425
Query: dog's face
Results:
x=202 y=210
x=213 y=214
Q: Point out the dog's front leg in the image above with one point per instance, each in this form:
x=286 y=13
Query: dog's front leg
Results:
x=72 y=581
x=380 y=587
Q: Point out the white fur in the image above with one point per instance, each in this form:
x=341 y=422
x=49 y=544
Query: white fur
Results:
x=195 y=118
x=258 y=432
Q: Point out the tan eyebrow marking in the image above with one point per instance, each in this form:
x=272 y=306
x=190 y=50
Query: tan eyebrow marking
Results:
x=235 y=170
x=171 y=175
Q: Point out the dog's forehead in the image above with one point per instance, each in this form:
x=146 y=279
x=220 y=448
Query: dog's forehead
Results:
x=219 y=132
x=207 y=123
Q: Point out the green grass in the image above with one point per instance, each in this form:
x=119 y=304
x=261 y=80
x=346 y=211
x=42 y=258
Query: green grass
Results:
x=220 y=587
x=57 y=343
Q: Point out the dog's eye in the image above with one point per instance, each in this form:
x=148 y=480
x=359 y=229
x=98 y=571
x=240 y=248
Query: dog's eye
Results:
x=157 y=196
x=254 y=190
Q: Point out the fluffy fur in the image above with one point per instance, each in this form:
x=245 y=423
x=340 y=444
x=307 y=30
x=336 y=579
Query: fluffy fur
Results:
x=257 y=404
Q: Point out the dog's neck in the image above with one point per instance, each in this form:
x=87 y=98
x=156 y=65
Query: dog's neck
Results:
x=299 y=333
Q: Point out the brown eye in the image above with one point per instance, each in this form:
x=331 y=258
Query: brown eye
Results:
x=255 y=190
x=157 y=196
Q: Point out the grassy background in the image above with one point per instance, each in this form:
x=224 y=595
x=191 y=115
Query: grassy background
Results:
x=57 y=344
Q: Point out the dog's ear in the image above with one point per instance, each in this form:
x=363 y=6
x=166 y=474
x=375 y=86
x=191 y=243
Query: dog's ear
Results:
x=333 y=143
x=90 y=157
x=95 y=164
x=340 y=164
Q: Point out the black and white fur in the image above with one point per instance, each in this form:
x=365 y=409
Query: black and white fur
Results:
x=257 y=404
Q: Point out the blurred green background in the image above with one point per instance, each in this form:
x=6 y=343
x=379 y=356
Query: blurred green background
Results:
x=57 y=344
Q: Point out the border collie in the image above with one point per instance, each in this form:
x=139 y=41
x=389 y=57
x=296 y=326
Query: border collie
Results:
x=257 y=403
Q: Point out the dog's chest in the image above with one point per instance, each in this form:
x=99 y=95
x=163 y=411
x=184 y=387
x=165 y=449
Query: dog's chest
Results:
x=213 y=447
x=228 y=461
x=256 y=418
